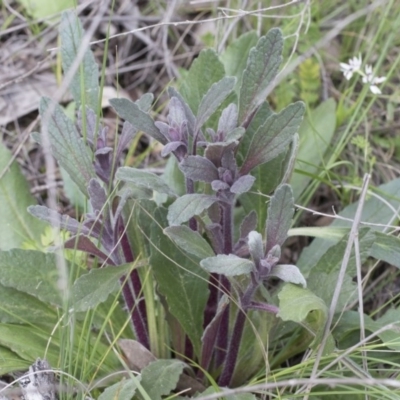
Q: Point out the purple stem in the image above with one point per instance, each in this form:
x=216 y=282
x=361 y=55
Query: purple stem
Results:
x=234 y=344
x=132 y=290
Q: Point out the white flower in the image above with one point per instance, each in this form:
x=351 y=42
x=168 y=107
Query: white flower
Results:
x=369 y=78
x=354 y=65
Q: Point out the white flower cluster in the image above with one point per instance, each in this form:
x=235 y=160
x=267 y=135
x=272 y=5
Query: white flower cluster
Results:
x=354 y=66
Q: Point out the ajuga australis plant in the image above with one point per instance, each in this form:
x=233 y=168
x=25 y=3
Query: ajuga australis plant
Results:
x=212 y=271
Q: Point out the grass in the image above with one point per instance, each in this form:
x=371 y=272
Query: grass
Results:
x=367 y=126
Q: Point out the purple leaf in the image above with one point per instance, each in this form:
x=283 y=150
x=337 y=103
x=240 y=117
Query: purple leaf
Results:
x=198 y=168
x=243 y=184
x=273 y=137
x=97 y=194
x=127 y=135
x=83 y=243
x=249 y=224
x=191 y=119
x=218 y=185
x=264 y=307
x=171 y=147
x=57 y=220
x=228 y=119
x=176 y=112
x=280 y=214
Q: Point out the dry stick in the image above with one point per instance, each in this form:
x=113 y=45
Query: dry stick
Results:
x=339 y=284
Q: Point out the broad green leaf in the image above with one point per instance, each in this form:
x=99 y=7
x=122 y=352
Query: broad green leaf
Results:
x=85 y=83
x=214 y=97
x=280 y=214
x=303 y=306
x=181 y=280
x=324 y=232
x=66 y=145
x=123 y=390
x=316 y=133
x=161 y=377
x=262 y=66
x=386 y=248
x=17 y=226
x=374 y=211
x=42 y=9
x=28 y=344
x=32 y=272
x=228 y=265
x=190 y=241
x=199 y=168
x=18 y=307
x=144 y=179
x=235 y=56
x=187 y=206
x=288 y=273
x=273 y=137
x=93 y=288
x=139 y=119
x=174 y=177
x=11 y=362
x=205 y=70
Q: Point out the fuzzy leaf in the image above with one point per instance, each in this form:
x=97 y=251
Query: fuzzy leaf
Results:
x=280 y=214
x=123 y=390
x=145 y=101
x=387 y=248
x=243 y=184
x=93 y=288
x=161 y=377
x=191 y=119
x=190 y=241
x=235 y=56
x=66 y=145
x=273 y=136
x=205 y=70
x=144 y=179
x=97 y=194
x=57 y=220
x=32 y=272
x=140 y=120
x=262 y=66
x=71 y=33
x=228 y=265
x=17 y=226
x=199 y=168
x=187 y=206
x=248 y=224
x=214 y=97
x=256 y=247
x=228 y=120
x=288 y=273
x=180 y=280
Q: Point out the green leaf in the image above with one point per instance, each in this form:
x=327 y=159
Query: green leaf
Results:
x=235 y=56
x=139 y=119
x=386 y=248
x=85 y=86
x=93 y=288
x=32 y=272
x=17 y=226
x=374 y=211
x=288 y=273
x=187 y=206
x=27 y=343
x=190 y=241
x=18 y=307
x=228 y=265
x=182 y=282
x=205 y=70
x=42 y=9
x=161 y=377
x=316 y=133
x=280 y=214
x=11 y=362
x=123 y=390
x=262 y=66
x=302 y=306
x=144 y=179
x=273 y=137
x=214 y=97
x=66 y=145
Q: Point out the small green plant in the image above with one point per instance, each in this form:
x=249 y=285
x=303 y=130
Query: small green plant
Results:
x=194 y=251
